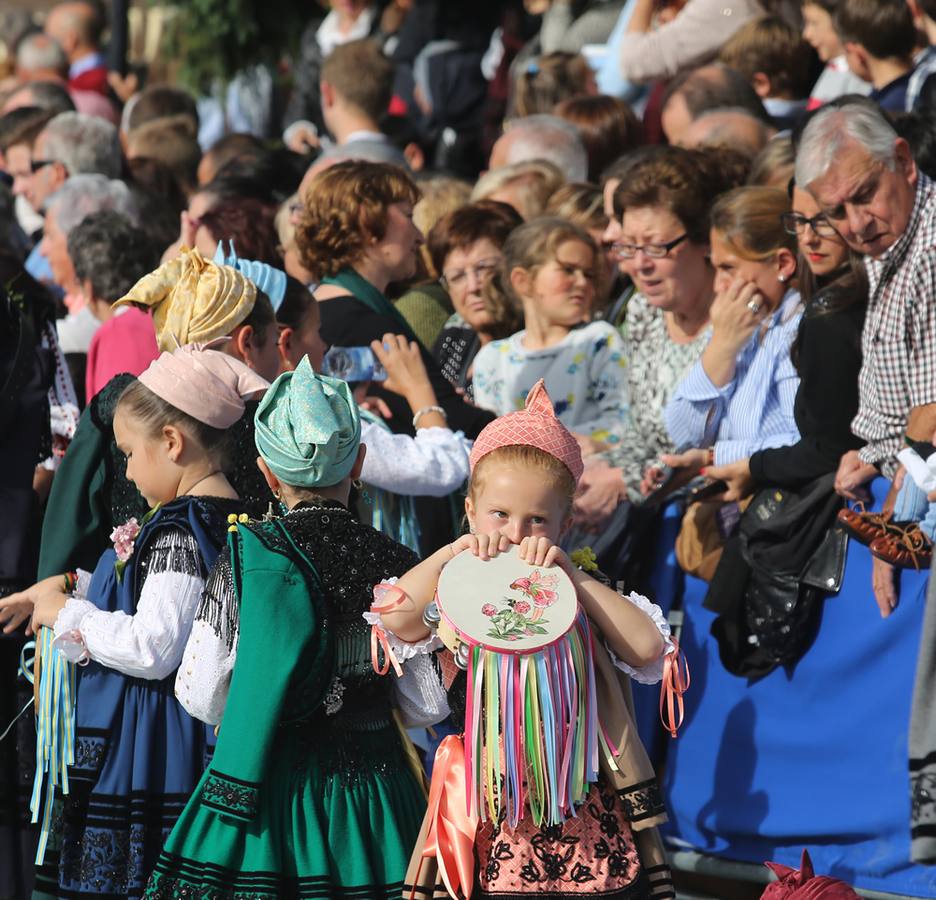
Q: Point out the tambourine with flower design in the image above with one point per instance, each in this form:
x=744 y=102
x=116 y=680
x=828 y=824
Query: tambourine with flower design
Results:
x=531 y=723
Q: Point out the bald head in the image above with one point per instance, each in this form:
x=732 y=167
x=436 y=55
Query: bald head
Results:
x=76 y=25
x=703 y=90
x=733 y=128
x=542 y=137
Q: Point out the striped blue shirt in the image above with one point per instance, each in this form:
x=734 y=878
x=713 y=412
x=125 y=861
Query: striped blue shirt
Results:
x=755 y=409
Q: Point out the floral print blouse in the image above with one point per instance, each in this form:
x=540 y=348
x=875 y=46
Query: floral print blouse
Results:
x=585 y=376
x=655 y=366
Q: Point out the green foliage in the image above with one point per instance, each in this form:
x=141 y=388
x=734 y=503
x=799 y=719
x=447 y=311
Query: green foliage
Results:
x=213 y=40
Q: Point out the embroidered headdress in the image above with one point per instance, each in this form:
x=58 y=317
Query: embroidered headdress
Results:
x=535 y=426
x=308 y=428
x=208 y=385
x=193 y=299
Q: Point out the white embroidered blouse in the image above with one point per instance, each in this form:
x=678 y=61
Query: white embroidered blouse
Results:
x=149 y=643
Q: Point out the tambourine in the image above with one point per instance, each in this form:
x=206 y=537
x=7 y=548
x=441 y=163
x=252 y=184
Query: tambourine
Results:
x=503 y=604
x=531 y=723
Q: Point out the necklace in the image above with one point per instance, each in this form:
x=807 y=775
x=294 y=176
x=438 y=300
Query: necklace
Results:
x=188 y=490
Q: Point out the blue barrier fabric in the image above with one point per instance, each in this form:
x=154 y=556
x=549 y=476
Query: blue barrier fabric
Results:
x=816 y=757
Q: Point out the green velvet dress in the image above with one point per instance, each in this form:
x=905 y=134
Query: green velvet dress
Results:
x=310 y=792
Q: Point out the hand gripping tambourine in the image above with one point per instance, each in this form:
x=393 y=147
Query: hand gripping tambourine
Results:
x=531 y=724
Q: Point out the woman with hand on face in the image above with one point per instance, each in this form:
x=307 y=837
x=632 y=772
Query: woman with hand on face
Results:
x=826 y=354
x=739 y=397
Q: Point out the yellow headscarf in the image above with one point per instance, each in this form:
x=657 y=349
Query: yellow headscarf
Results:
x=194 y=300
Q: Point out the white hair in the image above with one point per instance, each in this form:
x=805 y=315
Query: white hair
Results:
x=550 y=138
x=83 y=144
x=39 y=51
x=833 y=127
x=82 y=195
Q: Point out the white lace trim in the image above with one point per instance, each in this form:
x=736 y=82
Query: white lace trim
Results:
x=83 y=585
x=68 y=639
x=401 y=648
x=652 y=673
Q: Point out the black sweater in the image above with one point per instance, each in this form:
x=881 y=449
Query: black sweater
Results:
x=829 y=345
x=347 y=322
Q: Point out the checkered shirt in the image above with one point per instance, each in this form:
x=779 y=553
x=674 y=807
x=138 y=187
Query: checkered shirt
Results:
x=899 y=341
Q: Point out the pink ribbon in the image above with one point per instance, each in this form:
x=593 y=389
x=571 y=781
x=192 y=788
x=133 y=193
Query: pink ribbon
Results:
x=451 y=837
x=378 y=637
x=675 y=684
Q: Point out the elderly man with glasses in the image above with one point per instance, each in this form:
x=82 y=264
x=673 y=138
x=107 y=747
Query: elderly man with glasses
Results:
x=869 y=188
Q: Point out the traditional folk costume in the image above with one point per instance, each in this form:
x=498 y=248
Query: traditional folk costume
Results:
x=310 y=792
x=193 y=301
x=138 y=754
x=607 y=844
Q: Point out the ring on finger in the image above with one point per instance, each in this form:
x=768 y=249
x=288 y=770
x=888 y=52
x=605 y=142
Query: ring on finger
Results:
x=753 y=306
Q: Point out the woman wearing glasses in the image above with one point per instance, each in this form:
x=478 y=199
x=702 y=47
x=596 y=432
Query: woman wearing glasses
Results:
x=739 y=397
x=663 y=246
x=826 y=354
x=466 y=247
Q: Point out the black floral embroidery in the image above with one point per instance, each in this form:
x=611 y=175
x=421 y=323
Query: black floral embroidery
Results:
x=581 y=874
x=230 y=795
x=642 y=801
x=89 y=753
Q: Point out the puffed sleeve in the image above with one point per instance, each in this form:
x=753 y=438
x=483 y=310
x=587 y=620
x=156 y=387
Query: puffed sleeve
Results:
x=204 y=677
x=149 y=643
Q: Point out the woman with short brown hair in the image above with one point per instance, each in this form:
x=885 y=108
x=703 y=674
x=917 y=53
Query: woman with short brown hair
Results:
x=357 y=237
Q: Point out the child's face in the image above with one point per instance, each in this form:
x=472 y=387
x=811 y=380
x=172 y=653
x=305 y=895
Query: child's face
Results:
x=564 y=288
x=149 y=464
x=517 y=502
x=819 y=31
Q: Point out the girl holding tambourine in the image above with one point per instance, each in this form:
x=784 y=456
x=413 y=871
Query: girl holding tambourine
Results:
x=542 y=795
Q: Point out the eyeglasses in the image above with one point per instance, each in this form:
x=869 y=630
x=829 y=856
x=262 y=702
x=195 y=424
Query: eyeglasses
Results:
x=38 y=164
x=483 y=271
x=654 y=251
x=794 y=223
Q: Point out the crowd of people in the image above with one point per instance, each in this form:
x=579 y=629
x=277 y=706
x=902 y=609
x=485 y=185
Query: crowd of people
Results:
x=586 y=260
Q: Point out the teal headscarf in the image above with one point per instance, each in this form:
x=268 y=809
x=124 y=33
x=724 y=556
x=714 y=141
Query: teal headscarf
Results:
x=308 y=428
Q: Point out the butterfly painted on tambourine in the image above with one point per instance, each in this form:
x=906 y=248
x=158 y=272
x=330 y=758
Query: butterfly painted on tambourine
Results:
x=520 y=619
x=539 y=587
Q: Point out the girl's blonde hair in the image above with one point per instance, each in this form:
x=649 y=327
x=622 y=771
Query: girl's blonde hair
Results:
x=154 y=414
x=533 y=245
x=536 y=181
x=748 y=220
x=525 y=457
x=547 y=80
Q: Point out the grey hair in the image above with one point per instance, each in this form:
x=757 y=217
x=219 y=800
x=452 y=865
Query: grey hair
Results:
x=548 y=137
x=39 y=51
x=833 y=127
x=82 y=195
x=83 y=144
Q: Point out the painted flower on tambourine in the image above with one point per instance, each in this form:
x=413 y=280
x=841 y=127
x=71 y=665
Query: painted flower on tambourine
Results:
x=489 y=609
x=512 y=622
x=539 y=587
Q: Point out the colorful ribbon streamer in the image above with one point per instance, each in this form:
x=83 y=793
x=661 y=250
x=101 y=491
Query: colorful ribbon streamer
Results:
x=378 y=635
x=675 y=683
x=451 y=837
x=54 y=677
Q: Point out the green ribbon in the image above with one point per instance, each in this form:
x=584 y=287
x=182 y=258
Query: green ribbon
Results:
x=364 y=291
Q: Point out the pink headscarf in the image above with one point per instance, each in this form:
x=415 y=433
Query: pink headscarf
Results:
x=207 y=385
x=535 y=426
x=805 y=884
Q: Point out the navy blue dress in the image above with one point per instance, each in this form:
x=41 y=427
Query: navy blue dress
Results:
x=138 y=753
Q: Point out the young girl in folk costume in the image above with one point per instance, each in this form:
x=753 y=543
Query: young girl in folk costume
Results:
x=310 y=792
x=138 y=755
x=549 y=269
x=524 y=470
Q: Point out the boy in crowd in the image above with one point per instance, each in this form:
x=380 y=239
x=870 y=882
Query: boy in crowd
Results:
x=879 y=39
